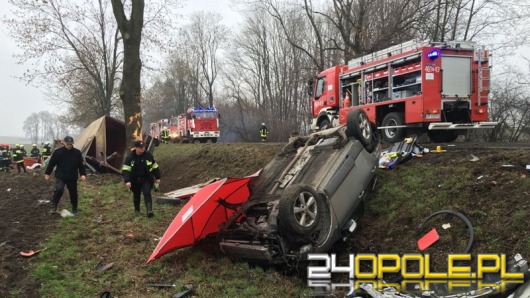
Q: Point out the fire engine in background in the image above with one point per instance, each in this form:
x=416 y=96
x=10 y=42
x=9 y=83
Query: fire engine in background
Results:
x=198 y=125
x=414 y=87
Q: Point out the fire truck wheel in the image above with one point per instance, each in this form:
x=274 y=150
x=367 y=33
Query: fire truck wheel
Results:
x=392 y=135
x=214 y=140
x=299 y=209
x=324 y=124
x=358 y=126
x=441 y=136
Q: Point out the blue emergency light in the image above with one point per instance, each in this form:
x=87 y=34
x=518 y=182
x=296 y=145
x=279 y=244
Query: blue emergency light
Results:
x=433 y=54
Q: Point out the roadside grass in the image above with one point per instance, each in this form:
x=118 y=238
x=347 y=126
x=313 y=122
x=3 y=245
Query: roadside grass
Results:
x=108 y=231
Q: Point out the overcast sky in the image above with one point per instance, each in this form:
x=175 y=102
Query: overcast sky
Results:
x=19 y=100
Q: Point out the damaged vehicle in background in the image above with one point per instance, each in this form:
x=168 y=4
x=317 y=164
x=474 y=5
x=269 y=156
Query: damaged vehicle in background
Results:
x=308 y=197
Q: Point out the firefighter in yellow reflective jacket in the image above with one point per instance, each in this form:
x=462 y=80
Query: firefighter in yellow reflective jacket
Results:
x=140 y=172
x=5 y=160
x=165 y=135
x=264 y=132
x=18 y=158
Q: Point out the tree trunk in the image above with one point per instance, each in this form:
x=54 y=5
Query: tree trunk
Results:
x=131 y=89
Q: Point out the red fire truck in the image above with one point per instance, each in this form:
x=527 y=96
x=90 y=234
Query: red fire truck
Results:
x=414 y=87
x=198 y=125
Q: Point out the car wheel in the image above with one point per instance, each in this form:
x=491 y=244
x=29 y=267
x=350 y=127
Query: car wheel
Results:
x=299 y=209
x=359 y=127
x=325 y=124
x=392 y=135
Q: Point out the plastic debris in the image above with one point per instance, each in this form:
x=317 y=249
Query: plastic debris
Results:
x=9 y=189
x=428 y=240
x=438 y=150
x=31 y=252
x=446 y=226
x=66 y=213
x=130 y=235
x=474 y=158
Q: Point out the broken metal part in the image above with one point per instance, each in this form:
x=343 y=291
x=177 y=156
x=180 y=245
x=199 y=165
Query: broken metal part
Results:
x=470 y=231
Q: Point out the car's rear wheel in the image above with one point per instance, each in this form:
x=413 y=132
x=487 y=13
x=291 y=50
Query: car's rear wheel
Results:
x=359 y=126
x=299 y=209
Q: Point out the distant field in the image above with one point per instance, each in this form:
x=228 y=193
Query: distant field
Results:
x=14 y=140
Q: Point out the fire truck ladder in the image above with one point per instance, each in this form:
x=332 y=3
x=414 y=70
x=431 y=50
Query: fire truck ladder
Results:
x=483 y=76
x=396 y=49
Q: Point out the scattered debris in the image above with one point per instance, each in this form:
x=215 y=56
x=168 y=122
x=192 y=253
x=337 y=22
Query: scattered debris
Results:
x=438 y=150
x=401 y=152
x=43 y=201
x=446 y=226
x=474 y=158
x=470 y=231
x=428 y=240
x=151 y=284
x=189 y=289
x=480 y=177
x=66 y=213
x=130 y=235
x=31 y=252
x=100 y=267
x=508 y=166
x=9 y=189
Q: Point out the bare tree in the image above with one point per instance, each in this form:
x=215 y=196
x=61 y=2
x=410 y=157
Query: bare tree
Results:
x=78 y=49
x=206 y=36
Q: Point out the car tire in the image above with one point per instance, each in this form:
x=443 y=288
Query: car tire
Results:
x=393 y=135
x=324 y=124
x=299 y=210
x=359 y=126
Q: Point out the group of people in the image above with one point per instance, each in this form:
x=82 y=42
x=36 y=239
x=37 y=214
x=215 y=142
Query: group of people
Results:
x=16 y=155
x=140 y=172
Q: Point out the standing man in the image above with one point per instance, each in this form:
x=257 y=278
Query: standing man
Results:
x=165 y=135
x=46 y=150
x=138 y=171
x=69 y=161
x=264 y=132
x=35 y=152
x=18 y=158
x=5 y=159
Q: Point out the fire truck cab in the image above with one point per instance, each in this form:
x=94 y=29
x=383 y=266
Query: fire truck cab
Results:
x=414 y=87
x=199 y=125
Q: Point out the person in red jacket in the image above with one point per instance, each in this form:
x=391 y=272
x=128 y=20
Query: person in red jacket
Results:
x=69 y=161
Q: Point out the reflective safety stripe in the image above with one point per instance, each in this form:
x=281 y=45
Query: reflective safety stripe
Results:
x=126 y=168
x=154 y=166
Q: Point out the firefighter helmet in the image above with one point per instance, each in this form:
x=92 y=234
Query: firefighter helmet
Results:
x=34 y=145
x=17 y=146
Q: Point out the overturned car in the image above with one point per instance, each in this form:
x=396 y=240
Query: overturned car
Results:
x=308 y=197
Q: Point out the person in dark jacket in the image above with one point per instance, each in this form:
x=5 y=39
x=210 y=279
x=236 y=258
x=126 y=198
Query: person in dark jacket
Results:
x=69 y=162
x=35 y=152
x=140 y=172
x=18 y=158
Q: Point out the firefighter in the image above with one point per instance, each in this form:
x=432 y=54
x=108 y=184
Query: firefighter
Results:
x=23 y=151
x=140 y=173
x=35 y=152
x=46 y=150
x=18 y=158
x=5 y=160
x=264 y=132
x=165 y=135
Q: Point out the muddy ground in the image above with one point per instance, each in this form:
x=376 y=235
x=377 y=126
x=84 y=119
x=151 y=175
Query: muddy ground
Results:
x=25 y=221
